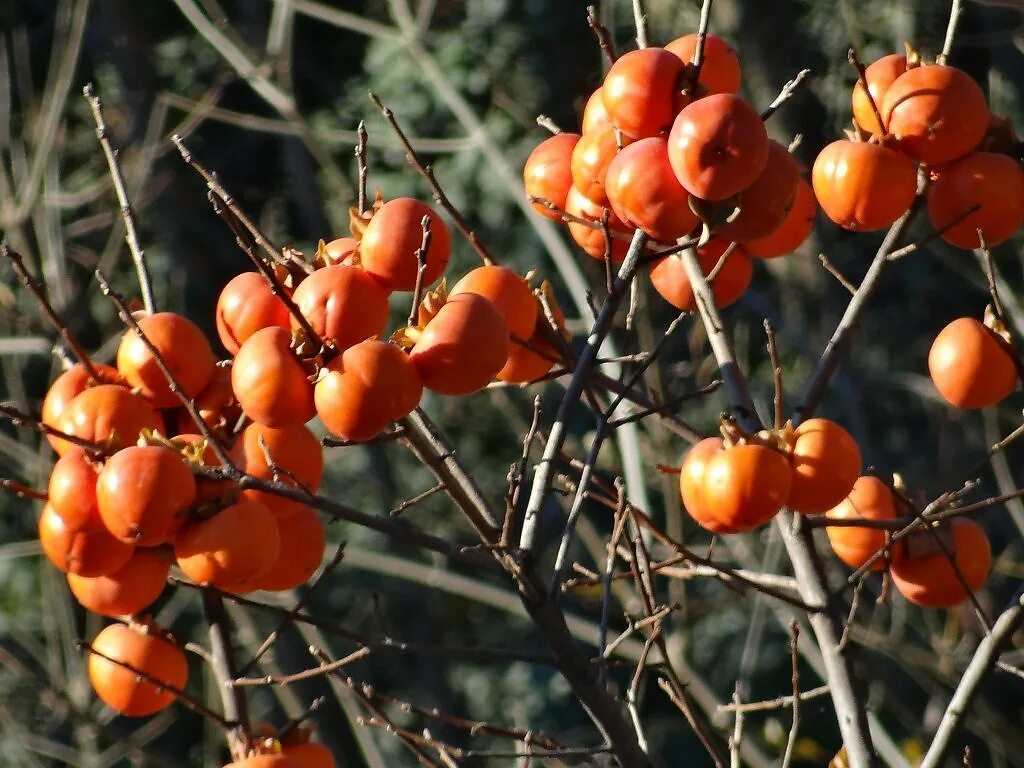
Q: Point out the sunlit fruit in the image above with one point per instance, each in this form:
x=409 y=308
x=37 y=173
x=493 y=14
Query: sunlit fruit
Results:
x=921 y=567
x=183 y=348
x=290 y=455
x=247 y=304
x=990 y=183
x=720 y=69
x=548 y=175
x=392 y=238
x=230 y=550
x=880 y=74
x=640 y=92
x=863 y=186
x=669 y=278
x=271 y=384
x=142 y=649
x=970 y=365
x=129 y=590
x=870 y=499
x=826 y=463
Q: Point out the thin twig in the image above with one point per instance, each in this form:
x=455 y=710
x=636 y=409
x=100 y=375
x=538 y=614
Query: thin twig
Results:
x=361 y=166
x=421 y=268
x=947 y=44
x=785 y=94
x=834 y=271
x=306 y=674
x=604 y=38
x=549 y=125
x=862 y=78
x=640 y=22
x=773 y=356
x=236 y=709
x=130 y=234
x=794 y=655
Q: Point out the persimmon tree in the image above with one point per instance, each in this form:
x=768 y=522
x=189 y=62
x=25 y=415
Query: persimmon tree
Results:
x=685 y=498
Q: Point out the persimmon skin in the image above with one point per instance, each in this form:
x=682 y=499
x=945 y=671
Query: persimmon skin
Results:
x=301 y=547
x=120 y=688
x=644 y=192
x=718 y=146
x=595 y=116
x=863 y=186
x=937 y=113
x=372 y=384
x=509 y=292
x=127 y=591
x=526 y=365
x=970 y=365
x=142 y=491
x=230 y=550
x=85 y=553
x=343 y=305
x=826 y=463
x=310 y=755
x=294 y=449
x=993 y=181
x=591 y=239
x=72 y=491
x=720 y=71
x=640 y=93
x=341 y=250
x=394 y=234
x=880 y=74
x=870 y=499
x=69 y=385
x=266 y=761
x=181 y=344
x=247 y=304
x=463 y=347
x=931 y=580
x=793 y=231
x=691 y=485
x=270 y=383
x=105 y=412
x=745 y=486
x=548 y=173
x=765 y=203
x=670 y=280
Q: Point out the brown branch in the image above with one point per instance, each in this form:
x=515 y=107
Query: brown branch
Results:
x=236 y=710
x=326 y=667
x=361 y=166
x=421 y=268
x=604 y=38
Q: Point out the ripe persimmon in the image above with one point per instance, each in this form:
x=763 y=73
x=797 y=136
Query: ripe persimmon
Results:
x=640 y=92
x=294 y=451
x=644 y=192
x=463 y=347
x=343 y=305
x=745 y=486
x=276 y=760
x=923 y=573
x=970 y=365
x=67 y=387
x=247 y=304
x=271 y=384
x=509 y=292
x=591 y=157
x=107 y=414
x=863 y=186
x=548 y=173
x=793 y=230
x=145 y=649
x=720 y=70
x=129 y=590
x=994 y=183
x=826 y=462
x=718 y=146
x=72 y=491
x=301 y=548
x=142 y=491
x=231 y=549
x=870 y=499
x=669 y=278
x=309 y=754
x=880 y=74
x=217 y=404
x=341 y=250
x=183 y=347
x=595 y=116
x=394 y=234
x=936 y=113
x=591 y=239
x=86 y=553
x=691 y=485
x=528 y=362
x=765 y=204
x=372 y=384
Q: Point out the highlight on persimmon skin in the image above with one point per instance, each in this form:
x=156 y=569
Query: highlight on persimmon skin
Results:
x=591 y=239
x=106 y=414
x=230 y=550
x=595 y=116
x=123 y=690
x=826 y=462
x=278 y=760
x=927 y=577
x=644 y=192
x=745 y=486
x=247 y=304
x=718 y=146
x=301 y=547
x=994 y=183
x=794 y=229
x=463 y=348
x=69 y=385
x=343 y=305
x=970 y=365
x=341 y=250
x=371 y=385
x=294 y=450
x=272 y=386
x=509 y=292
x=863 y=186
x=691 y=485
x=720 y=70
x=142 y=491
x=870 y=499
x=548 y=174
x=86 y=553
x=388 y=248
x=127 y=591
x=880 y=74
x=183 y=347
x=669 y=278
x=591 y=157
x=72 y=490
x=640 y=93
x=936 y=113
